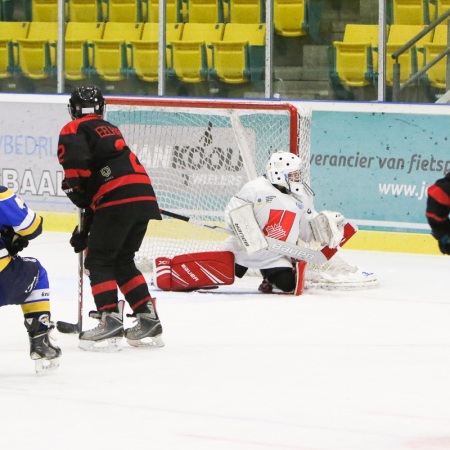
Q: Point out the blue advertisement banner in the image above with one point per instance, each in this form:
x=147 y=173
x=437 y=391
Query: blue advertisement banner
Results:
x=375 y=167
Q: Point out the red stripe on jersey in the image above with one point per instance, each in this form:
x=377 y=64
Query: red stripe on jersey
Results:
x=133 y=283
x=435 y=217
x=106 y=286
x=126 y=200
x=119 y=182
x=77 y=173
x=439 y=195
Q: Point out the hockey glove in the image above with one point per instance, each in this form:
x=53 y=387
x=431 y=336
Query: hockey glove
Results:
x=14 y=242
x=444 y=244
x=76 y=195
x=79 y=240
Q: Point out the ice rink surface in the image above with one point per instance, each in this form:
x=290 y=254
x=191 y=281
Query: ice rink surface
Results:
x=354 y=370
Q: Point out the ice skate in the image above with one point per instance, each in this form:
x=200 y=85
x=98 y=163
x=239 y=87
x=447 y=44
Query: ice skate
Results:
x=147 y=331
x=106 y=336
x=42 y=351
x=266 y=287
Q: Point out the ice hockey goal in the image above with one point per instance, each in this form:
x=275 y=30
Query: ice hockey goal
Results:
x=199 y=153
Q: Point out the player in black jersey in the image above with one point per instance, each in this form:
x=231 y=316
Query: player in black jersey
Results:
x=105 y=179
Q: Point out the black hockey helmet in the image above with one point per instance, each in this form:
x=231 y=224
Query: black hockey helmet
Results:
x=86 y=100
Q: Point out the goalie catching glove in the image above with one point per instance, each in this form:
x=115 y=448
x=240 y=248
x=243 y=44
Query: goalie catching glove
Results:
x=328 y=228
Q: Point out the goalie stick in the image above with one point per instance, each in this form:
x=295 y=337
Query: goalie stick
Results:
x=75 y=328
x=297 y=252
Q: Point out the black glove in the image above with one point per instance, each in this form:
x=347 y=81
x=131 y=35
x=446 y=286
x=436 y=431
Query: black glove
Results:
x=444 y=244
x=76 y=195
x=14 y=242
x=79 y=240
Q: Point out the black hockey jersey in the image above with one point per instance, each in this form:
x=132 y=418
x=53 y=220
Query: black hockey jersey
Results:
x=101 y=171
x=438 y=207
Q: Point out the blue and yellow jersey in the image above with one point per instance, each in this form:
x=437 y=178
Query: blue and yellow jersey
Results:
x=14 y=213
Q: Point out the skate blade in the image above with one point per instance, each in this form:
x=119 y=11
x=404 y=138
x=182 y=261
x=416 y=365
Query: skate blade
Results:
x=45 y=366
x=110 y=345
x=147 y=342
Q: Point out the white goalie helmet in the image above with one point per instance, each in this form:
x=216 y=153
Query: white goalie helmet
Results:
x=285 y=169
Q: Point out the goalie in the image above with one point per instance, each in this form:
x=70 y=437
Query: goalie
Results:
x=278 y=205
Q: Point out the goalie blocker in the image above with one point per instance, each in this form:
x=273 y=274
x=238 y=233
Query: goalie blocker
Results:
x=204 y=270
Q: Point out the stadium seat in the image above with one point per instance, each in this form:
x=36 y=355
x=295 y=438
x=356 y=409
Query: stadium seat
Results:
x=192 y=59
x=110 y=52
x=204 y=11
x=354 y=59
x=44 y=10
x=10 y=32
x=437 y=8
x=411 y=60
x=290 y=17
x=37 y=52
x=239 y=57
x=123 y=10
x=145 y=50
x=78 y=54
x=85 y=11
x=246 y=11
x=410 y=12
x=173 y=11
x=437 y=74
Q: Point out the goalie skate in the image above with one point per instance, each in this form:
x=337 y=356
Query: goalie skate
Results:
x=339 y=276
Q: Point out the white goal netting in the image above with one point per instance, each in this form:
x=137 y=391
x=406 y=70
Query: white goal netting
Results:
x=199 y=154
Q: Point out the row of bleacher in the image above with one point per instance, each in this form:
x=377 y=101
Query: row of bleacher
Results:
x=290 y=16
x=113 y=51
x=355 y=59
x=415 y=12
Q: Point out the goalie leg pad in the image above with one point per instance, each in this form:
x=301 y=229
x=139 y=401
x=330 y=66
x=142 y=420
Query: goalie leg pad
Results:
x=203 y=270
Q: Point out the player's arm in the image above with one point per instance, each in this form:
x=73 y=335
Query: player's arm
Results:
x=437 y=211
x=20 y=223
x=75 y=157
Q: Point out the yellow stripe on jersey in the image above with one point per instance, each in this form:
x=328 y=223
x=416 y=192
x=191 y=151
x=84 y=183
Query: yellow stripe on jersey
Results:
x=42 y=306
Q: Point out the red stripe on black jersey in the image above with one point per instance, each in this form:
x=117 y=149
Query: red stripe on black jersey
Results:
x=439 y=195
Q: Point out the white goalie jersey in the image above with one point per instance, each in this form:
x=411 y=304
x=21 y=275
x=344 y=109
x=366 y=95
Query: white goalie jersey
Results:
x=279 y=215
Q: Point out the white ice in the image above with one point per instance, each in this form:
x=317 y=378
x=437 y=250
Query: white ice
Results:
x=355 y=370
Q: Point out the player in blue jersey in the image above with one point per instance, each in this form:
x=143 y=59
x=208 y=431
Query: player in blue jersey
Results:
x=23 y=280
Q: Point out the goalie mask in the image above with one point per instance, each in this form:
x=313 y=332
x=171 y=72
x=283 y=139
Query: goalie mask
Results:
x=285 y=169
x=86 y=100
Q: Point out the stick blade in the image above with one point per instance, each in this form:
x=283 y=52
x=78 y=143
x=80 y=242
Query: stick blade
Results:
x=67 y=328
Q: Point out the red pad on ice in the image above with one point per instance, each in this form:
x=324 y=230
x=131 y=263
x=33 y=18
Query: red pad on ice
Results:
x=195 y=271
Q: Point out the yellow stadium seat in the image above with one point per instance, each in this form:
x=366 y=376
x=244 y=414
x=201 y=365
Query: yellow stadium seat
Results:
x=124 y=10
x=204 y=11
x=192 y=58
x=437 y=74
x=85 y=11
x=239 y=57
x=145 y=50
x=411 y=60
x=10 y=32
x=246 y=11
x=78 y=55
x=111 y=57
x=354 y=59
x=290 y=17
x=37 y=52
x=44 y=10
x=410 y=12
x=173 y=11
x=437 y=8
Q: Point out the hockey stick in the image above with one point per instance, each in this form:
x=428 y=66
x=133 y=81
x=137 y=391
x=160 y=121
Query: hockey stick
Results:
x=66 y=327
x=297 y=252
